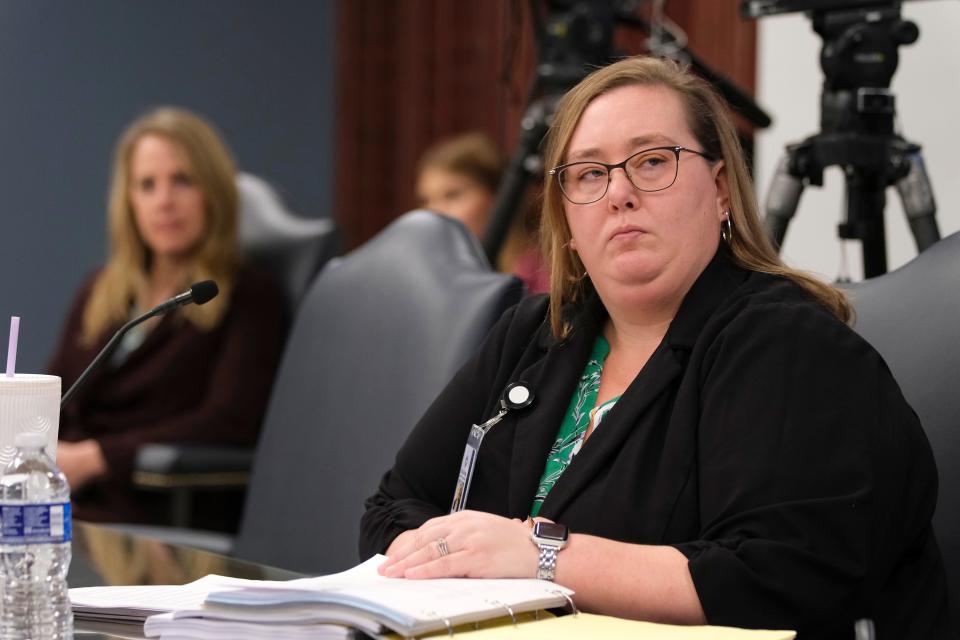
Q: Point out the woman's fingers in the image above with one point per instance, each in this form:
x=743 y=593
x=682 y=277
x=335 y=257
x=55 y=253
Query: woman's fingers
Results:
x=400 y=543
x=415 y=541
x=466 y=544
x=449 y=566
x=436 y=551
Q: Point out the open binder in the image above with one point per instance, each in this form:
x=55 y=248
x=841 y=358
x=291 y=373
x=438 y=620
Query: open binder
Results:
x=359 y=599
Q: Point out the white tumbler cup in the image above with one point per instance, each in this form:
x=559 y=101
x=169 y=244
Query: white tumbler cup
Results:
x=28 y=402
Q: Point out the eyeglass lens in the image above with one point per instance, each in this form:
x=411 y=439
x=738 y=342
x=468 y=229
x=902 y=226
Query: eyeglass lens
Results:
x=651 y=170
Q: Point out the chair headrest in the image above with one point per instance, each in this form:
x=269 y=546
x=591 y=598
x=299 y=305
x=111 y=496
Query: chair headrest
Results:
x=264 y=216
x=289 y=248
x=422 y=236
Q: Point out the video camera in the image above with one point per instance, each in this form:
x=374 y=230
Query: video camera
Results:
x=759 y=8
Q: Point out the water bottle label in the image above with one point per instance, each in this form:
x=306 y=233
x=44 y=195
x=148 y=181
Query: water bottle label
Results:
x=34 y=523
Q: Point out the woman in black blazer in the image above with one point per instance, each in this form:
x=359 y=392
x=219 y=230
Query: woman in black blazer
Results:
x=721 y=446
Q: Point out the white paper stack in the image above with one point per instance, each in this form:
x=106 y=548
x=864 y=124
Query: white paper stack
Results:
x=326 y=607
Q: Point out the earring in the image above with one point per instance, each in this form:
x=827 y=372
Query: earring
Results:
x=726 y=229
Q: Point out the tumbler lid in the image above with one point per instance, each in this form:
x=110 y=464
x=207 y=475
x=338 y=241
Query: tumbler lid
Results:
x=30 y=440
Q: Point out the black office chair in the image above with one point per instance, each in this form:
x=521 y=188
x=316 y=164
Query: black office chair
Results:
x=292 y=249
x=378 y=335
x=912 y=317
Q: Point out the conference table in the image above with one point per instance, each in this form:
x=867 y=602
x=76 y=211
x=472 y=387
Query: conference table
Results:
x=106 y=556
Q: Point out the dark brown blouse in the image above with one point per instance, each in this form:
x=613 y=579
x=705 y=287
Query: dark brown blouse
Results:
x=181 y=385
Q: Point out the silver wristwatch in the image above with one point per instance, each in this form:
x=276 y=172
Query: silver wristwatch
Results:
x=550 y=538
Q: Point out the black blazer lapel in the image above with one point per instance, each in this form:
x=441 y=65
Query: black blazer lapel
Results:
x=657 y=377
x=626 y=416
x=553 y=379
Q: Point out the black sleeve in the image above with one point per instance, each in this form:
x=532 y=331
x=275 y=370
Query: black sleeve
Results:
x=421 y=483
x=814 y=474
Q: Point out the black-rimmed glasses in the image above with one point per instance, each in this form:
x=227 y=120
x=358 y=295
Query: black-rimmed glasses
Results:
x=653 y=169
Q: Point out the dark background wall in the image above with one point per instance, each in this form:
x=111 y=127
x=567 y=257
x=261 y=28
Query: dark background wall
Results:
x=73 y=74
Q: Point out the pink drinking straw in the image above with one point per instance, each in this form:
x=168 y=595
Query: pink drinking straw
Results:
x=12 y=346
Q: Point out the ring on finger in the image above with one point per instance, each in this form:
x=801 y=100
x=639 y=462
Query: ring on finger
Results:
x=442 y=547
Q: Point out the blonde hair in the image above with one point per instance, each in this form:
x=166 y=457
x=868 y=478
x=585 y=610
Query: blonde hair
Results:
x=470 y=154
x=711 y=125
x=125 y=276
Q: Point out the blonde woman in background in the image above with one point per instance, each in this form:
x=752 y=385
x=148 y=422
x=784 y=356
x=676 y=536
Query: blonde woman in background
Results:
x=459 y=177
x=199 y=374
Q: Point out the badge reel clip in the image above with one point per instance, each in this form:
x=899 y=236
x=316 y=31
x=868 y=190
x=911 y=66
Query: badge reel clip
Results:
x=516 y=396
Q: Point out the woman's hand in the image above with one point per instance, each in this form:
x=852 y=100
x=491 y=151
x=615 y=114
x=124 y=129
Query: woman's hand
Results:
x=82 y=462
x=479 y=545
x=400 y=542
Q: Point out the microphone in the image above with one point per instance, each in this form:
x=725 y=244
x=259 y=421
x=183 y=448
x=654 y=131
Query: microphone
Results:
x=199 y=293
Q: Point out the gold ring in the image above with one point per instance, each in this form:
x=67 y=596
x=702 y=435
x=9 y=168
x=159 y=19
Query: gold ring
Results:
x=442 y=547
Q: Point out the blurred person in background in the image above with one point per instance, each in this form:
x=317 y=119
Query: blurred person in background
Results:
x=459 y=177
x=199 y=374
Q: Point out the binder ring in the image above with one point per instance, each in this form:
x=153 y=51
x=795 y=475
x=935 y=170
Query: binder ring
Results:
x=446 y=621
x=569 y=600
x=498 y=603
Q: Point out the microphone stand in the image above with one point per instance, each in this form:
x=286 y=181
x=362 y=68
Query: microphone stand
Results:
x=109 y=349
x=199 y=293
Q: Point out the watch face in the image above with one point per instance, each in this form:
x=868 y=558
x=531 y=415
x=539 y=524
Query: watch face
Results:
x=550 y=531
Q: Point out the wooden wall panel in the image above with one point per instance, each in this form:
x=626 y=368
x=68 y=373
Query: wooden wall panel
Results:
x=413 y=71
x=720 y=37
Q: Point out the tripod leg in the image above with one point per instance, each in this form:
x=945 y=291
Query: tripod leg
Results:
x=918 y=203
x=866 y=201
x=517 y=176
x=782 y=201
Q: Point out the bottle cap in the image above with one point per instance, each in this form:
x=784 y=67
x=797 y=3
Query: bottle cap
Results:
x=30 y=440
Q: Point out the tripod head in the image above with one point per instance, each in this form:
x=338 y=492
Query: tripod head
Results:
x=860 y=54
x=860 y=46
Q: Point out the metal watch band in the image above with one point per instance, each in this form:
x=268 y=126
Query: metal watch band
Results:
x=547 y=566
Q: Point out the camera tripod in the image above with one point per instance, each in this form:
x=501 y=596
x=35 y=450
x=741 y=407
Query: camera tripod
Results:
x=859 y=58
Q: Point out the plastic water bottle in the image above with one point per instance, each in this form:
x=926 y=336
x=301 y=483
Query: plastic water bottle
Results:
x=34 y=545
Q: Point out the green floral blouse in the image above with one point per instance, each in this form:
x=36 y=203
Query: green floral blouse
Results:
x=573 y=431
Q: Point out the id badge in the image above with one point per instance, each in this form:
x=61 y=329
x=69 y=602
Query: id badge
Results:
x=516 y=396
x=467 y=466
